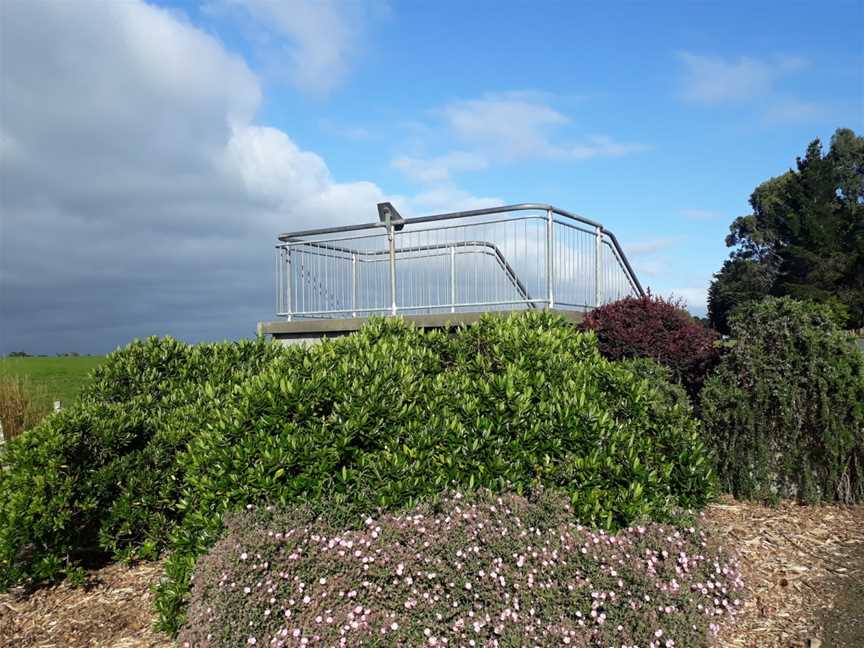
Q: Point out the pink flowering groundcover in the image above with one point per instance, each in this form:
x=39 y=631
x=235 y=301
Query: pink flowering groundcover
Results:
x=483 y=570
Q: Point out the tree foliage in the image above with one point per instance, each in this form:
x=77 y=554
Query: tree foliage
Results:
x=804 y=238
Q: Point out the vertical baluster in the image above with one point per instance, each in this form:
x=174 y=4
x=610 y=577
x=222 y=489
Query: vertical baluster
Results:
x=550 y=268
x=353 y=285
x=598 y=243
x=391 y=240
x=452 y=279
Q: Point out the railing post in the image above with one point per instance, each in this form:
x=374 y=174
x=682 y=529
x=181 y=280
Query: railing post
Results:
x=288 y=281
x=392 y=241
x=452 y=279
x=550 y=264
x=598 y=250
x=353 y=285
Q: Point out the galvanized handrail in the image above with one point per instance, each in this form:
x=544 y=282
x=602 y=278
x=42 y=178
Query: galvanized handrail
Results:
x=494 y=251
x=303 y=294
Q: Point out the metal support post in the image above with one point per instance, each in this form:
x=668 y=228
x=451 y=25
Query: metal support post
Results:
x=392 y=241
x=452 y=279
x=550 y=263
x=598 y=250
x=353 y=285
x=288 y=281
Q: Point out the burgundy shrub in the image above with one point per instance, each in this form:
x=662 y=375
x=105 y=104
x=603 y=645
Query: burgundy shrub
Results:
x=656 y=328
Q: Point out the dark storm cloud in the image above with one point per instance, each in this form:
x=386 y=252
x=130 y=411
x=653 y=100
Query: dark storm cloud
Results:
x=138 y=197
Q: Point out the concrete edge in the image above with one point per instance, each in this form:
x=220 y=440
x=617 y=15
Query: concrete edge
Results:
x=341 y=326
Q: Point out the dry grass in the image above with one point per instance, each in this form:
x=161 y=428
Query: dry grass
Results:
x=795 y=561
x=22 y=404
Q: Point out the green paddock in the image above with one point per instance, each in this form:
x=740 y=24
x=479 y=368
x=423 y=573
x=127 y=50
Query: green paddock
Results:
x=61 y=377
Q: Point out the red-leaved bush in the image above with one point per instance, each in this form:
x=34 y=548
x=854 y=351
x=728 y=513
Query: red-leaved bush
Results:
x=656 y=328
x=482 y=570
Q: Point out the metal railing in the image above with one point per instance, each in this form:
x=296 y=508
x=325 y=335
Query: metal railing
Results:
x=519 y=256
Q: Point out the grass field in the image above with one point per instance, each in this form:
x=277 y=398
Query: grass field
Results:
x=62 y=378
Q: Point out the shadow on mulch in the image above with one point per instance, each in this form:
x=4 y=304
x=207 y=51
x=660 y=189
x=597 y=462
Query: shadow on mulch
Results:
x=113 y=610
x=802 y=567
x=843 y=621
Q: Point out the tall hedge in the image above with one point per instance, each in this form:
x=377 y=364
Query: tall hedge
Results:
x=784 y=411
x=392 y=415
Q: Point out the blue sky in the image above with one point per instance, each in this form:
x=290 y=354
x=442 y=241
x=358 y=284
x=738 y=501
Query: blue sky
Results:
x=151 y=152
x=706 y=100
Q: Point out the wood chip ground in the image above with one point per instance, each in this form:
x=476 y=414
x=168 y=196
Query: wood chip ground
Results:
x=796 y=562
x=803 y=568
x=115 y=610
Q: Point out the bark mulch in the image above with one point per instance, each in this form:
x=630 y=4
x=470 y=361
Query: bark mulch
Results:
x=114 y=610
x=803 y=569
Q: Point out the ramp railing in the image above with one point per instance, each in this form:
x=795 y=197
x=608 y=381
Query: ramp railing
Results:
x=519 y=256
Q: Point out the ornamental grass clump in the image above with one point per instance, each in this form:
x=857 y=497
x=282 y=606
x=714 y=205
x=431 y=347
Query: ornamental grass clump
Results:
x=476 y=570
x=22 y=405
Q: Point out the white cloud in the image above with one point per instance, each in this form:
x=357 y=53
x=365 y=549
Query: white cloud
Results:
x=501 y=128
x=758 y=82
x=353 y=133
x=514 y=124
x=648 y=258
x=715 y=80
x=7 y=144
x=315 y=42
x=650 y=267
x=796 y=110
x=601 y=146
x=646 y=255
x=273 y=168
x=695 y=298
x=139 y=197
x=444 y=198
x=440 y=168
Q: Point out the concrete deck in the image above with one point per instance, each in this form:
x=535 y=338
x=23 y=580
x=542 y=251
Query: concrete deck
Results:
x=306 y=331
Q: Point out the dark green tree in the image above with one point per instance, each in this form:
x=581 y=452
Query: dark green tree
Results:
x=805 y=237
x=739 y=281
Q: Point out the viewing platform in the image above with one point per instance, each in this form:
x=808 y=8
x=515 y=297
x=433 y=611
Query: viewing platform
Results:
x=445 y=269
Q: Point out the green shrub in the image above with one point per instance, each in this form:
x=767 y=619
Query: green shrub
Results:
x=662 y=379
x=784 y=411
x=491 y=570
x=168 y=437
x=53 y=488
x=390 y=416
x=101 y=478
